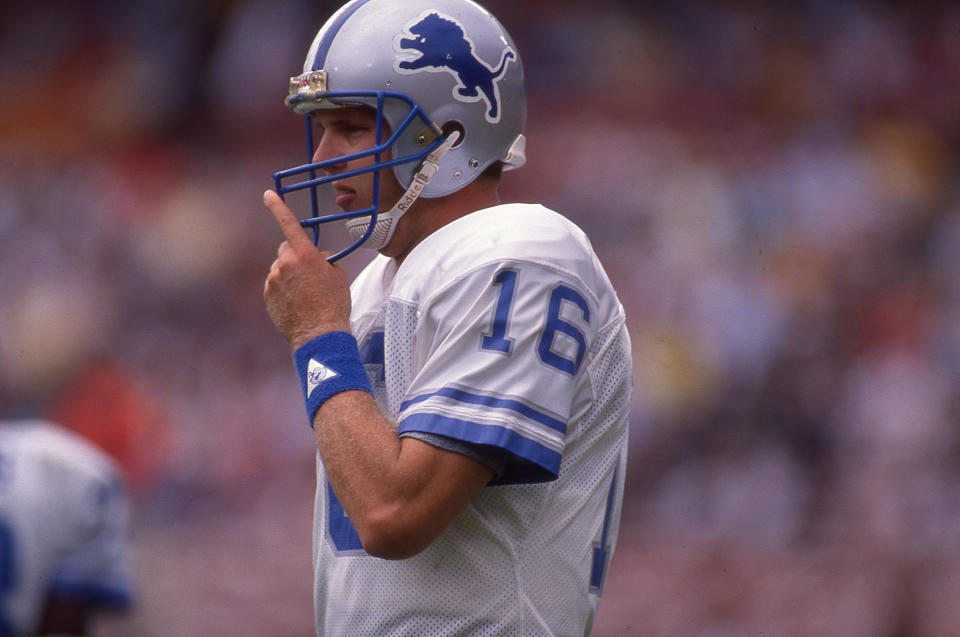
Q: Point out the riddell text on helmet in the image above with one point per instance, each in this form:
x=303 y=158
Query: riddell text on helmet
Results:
x=412 y=193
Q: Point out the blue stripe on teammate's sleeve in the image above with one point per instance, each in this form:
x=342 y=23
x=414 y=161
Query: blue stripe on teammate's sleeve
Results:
x=94 y=593
x=543 y=463
x=491 y=401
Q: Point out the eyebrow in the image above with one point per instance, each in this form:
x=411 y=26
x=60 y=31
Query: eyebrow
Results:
x=341 y=121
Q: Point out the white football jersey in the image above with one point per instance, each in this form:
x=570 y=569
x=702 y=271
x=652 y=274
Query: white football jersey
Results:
x=63 y=523
x=501 y=329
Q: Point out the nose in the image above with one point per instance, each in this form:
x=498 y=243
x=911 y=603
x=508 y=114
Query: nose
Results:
x=325 y=151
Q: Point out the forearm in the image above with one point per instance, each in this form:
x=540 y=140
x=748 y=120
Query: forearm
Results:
x=360 y=451
x=399 y=493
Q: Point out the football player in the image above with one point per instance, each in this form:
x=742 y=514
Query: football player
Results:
x=469 y=392
x=64 y=549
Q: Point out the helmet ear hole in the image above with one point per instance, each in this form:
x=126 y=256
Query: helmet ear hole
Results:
x=454 y=125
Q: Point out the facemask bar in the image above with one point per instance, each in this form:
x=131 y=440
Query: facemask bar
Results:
x=431 y=137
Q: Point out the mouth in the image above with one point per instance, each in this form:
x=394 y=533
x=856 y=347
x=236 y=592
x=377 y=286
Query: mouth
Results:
x=345 y=195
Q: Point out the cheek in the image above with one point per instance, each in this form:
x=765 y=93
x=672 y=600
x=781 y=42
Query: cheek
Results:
x=390 y=188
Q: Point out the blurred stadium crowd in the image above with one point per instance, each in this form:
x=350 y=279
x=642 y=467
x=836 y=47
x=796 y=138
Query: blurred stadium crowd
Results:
x=773 y=188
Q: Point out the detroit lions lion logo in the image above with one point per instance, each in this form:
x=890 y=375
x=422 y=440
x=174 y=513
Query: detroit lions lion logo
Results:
x=443 y=46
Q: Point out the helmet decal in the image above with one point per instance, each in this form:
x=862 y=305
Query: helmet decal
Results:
x=438 y=43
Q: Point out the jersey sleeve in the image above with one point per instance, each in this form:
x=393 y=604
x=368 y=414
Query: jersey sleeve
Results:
x=504 y=347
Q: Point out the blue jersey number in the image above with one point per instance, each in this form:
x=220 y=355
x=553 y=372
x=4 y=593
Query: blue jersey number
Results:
x=556 y=324
x=601 y=551
x=342 y=531
x=497 y=340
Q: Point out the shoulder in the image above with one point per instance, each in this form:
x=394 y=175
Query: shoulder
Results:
x=518 y=233
x=57 y=449
x=510 y=230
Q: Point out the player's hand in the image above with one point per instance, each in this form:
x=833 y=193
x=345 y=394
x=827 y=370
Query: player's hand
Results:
x=306 y=296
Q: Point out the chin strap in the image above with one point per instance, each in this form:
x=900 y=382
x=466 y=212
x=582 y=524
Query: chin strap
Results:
x=387 y=221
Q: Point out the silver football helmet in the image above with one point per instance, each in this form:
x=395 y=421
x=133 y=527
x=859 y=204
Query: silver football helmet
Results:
x=427 y=67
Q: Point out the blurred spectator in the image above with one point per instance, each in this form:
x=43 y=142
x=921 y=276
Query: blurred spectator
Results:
x=105 y=406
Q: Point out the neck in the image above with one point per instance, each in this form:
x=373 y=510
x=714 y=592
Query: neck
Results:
x=427 y=216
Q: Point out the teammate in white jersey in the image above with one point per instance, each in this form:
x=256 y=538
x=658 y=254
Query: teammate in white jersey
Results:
x=64 y=550
x=469 y=392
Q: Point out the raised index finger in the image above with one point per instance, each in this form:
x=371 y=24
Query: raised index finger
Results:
x=289 y=225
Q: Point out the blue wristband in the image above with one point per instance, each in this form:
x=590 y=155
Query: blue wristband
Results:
x=328 y=365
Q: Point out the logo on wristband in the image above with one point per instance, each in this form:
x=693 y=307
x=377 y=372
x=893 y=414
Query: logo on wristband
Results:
x=317 y=373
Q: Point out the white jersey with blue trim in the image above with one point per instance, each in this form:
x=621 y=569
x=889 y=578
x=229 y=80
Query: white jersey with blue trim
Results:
x=500 y=329
x=63 y=524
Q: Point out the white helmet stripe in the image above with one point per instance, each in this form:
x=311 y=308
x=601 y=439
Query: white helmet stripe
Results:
x=321 y=44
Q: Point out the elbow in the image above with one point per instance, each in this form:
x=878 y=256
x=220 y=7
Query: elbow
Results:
x=390 y=535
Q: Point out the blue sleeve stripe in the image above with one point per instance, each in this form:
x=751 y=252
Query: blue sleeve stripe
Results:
x=546 y=459
x=491 y=401
x=96 y=594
